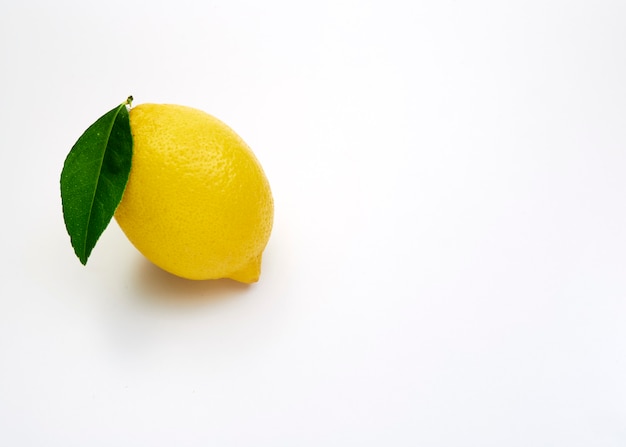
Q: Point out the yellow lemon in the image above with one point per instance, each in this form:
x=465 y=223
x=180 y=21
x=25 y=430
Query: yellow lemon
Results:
x=197 y=203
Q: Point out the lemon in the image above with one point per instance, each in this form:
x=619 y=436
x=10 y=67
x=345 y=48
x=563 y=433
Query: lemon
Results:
x=197 y=203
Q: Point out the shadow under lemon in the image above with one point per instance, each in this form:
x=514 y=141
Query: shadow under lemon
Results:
x=155 y=284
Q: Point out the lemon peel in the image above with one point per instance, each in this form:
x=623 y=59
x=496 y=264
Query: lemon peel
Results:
x=197 y=203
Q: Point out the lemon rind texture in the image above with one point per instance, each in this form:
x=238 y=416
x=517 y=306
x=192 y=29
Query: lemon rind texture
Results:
x=197 y=203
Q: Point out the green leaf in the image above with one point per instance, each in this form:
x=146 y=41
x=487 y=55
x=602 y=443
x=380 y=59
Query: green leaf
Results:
x=94 y=177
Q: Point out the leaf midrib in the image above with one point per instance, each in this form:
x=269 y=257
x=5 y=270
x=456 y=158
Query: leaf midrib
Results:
x=93 y=195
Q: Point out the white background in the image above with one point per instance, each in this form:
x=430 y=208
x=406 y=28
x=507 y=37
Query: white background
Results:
x=447 y=266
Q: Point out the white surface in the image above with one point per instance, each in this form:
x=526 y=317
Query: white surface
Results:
x=447 y=266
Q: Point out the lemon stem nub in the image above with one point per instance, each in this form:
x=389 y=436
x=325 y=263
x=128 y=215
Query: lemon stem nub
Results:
x=129 y=101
